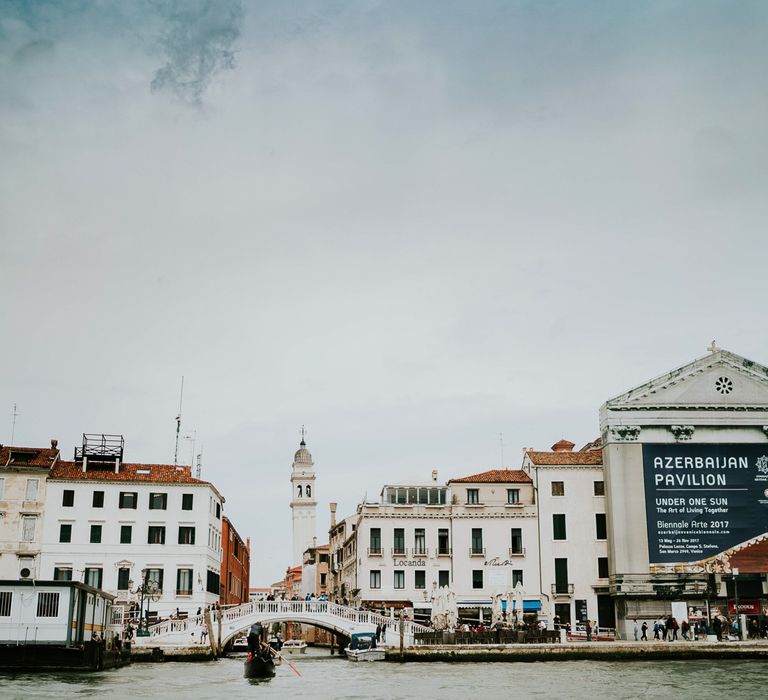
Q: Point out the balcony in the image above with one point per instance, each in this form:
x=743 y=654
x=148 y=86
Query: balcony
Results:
x=562 y=590
x=375 y=552
x=477 y=551
x=182 y=593
x=517 y=551
x=398 y=551
x=444 y=551
x=420 y=552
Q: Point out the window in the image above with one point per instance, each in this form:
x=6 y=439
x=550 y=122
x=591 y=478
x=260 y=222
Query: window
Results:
x=309 y=491
x=443 y=578
x=31 y=492
x=6 y=597
x=184 y=582
x=65 y=532
x=443 y=546
x=602 y=567
x=477 y=578
x=473 y=495
x=561 y=575
x=218 y=510
x=186 y=535
x=93 y=576
x=399 y=579
x=516 y=544
x=599 y=487
x=186 y=504
x=156 y=534
x=323 y=579
x=420 y=580
x=375 y=540
x=95 y=534
x=123 y=576
x=68 y=498
x=513 y=495
x=98 y=499
x=558 y=526
x=517 y=577
x=28 y=523
x=156 y=575
x=48 y=604
x=399 y=541
x=212 y=582
x=419 y=541
x=128 y=499
x=62 y=573
x=600 y=529
x=126 y=533
x=375 y=579
x=558 y=488
x=158 y=501
x=477 y=540
x=298 y=491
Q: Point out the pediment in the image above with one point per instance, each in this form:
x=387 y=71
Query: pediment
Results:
x=718 y=381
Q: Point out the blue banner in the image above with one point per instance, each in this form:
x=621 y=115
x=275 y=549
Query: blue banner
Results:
x=701 y=499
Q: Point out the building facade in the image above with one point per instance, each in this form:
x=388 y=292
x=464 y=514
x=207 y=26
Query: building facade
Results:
x=23 y=478
x=116 y=526
x=235 y=565
x=572 y=532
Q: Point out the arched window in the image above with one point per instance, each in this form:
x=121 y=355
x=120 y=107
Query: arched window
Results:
x=299 y=487
x=309 y=491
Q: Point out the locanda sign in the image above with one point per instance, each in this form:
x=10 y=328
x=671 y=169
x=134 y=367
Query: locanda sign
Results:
x=701 y=500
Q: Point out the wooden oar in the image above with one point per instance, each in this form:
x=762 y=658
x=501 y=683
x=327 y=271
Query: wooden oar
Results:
x=280 y=656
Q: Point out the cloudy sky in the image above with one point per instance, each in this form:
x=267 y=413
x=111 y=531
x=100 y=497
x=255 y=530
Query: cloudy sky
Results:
x=410 y=226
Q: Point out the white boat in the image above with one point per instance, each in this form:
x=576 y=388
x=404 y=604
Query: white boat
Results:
x=240 y=645
x=362 y=647
x=294 y=646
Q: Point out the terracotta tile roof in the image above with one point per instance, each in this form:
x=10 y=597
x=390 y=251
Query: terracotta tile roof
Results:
x=495 y=476
x=565 y=458
x=158 y=473
x=27 y=456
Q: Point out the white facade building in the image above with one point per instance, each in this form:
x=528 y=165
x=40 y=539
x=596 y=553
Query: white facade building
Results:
x=115 y=526
x=303 y=503
x=23 y=476
x=570 y=496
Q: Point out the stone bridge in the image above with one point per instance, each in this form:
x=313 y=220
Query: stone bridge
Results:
x=236 y=620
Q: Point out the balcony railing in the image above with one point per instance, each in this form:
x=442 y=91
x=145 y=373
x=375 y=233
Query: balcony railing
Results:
x=517 y=551
x=375 y=552
x=562 y=589
x=444 y=551
x=186 y=591
x=398 y=551
x=420 y=552
x=477 y=551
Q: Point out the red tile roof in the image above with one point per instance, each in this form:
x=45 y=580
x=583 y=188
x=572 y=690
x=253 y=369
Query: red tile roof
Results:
x=158 y=473
x=565 y=458
x=495 y=476
x=33 y=456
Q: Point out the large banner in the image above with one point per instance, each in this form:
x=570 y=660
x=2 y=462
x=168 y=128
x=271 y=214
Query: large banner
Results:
x=704 y=504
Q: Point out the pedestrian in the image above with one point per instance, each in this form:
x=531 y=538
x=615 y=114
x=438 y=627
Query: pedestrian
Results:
x=656 y=629
x=203 y=633
x=637 y=631
x=378 y=632
x=675 y=627
x=684 y=630
x=589 y=631
x=644 y=628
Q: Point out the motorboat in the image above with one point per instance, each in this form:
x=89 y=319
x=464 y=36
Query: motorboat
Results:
x=240 y=646
x=294 y=646
x=362 y=647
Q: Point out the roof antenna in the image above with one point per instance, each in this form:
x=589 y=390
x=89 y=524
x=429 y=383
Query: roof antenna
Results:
x=178 y=422
x=199 y=466
x=501 y=444
x=713 y=347
x=15 y=414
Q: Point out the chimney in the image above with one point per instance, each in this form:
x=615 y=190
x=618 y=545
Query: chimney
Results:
x=314 y=543
x=54 y=444
x=563 y=446
x=333 y=514
x=434 y=475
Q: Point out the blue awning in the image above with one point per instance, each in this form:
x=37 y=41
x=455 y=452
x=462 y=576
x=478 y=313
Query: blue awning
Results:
x=528 y=605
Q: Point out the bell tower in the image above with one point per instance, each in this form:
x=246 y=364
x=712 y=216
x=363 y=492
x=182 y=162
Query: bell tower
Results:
x=303 y=503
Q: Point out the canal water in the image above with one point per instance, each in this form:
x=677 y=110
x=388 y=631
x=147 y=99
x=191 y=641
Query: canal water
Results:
x=324 y=677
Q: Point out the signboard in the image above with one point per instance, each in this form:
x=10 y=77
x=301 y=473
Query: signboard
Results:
x=746 y=607
x=581 y=611
x=703 y=500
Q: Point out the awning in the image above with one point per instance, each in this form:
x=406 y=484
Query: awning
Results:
x=528 y=605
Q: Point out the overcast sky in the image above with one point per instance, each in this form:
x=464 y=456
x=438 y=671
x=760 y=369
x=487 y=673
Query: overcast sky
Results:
x=410 y=226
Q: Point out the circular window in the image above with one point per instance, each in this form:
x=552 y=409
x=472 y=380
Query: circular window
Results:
x=24 y=573
x=724 y=385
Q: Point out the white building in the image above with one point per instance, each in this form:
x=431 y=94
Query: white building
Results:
x=114 y=526
x=572 y=533
x=23 y=475
x=303 y=503
x=476 y=534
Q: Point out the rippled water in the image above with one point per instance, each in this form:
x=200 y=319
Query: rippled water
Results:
x=325 y=677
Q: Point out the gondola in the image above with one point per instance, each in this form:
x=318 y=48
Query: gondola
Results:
x=259 y=665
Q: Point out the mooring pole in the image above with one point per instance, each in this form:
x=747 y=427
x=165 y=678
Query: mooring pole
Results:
x=402 y=636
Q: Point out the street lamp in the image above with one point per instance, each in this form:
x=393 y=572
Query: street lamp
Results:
x=146 y=590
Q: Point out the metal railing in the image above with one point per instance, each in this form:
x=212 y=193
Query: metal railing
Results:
x=477 y=551
x=517 y=552
x=398 y=551
x=375 y=552
x=444 y=551
x=420 y=552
